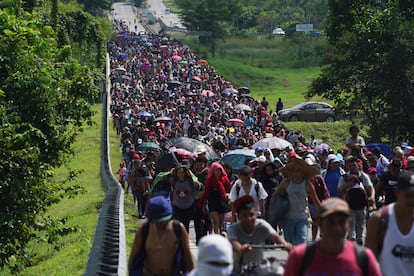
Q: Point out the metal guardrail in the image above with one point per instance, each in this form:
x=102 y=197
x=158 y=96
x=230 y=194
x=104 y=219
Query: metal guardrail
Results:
x=108 y=252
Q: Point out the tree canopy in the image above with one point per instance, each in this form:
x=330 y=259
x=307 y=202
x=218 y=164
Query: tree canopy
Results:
x=212 y=16
x=45 y=99
x=369 y=65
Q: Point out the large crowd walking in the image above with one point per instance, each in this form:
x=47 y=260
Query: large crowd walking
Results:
x=178 y=121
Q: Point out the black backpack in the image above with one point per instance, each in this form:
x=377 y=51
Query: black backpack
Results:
x=360 y=253
x=256 y=187
x=356 y=197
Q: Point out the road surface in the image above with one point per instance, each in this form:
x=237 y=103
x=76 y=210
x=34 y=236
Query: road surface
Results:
x=158 y=9
x=124 y=12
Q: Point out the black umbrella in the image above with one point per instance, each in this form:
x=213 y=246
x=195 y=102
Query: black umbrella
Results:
x=174 y=83
x=191 y=145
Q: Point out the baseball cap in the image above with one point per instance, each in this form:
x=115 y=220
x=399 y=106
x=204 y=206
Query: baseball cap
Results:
x=410 y=158
x=158 y=209
x=333 y=205
x=241 y=201
x=406 y=182
x=259 y=149
x=372 y=170
x=332 y=158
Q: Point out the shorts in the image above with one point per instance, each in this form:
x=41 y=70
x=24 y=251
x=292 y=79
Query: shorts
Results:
x=314 y=212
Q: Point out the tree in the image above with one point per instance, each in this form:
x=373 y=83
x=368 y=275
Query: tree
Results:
x=45 y=98
x=369 y=65
x=212 y=16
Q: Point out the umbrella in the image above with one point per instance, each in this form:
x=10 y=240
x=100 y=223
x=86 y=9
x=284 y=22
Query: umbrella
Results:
x=207 y=93
x=183 y=62
x=244 y=90
x=174 y=83
x=147 y=146
x=272 y=143
x=191 y=145
x=196 y=78
x=120 y=69
x=176 y=57
x=202 y=62
x=237 y=158
x=183 y=153
x=246 y=96
x=322 y=148
x=243 y=107
x=229 y=91
x=144 y=113
x=148 y=44
x=162 y=119
x=235 y=122
x=145 y=67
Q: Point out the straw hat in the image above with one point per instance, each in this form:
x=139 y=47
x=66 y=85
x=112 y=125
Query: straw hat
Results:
x=296 y=163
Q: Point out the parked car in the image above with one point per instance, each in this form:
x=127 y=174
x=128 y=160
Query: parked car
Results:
x=175 y=25
x=308 y=111
x=278 y=32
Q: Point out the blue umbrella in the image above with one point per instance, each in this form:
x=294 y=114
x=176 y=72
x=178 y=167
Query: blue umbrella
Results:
x=144 y=113
x=237 y=158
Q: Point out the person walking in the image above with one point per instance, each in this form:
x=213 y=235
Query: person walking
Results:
x=332 y=254
x=358 y=190
x=298 y=186
x=160 y=238
x=215 y=194
x=390 y=231
x=332 y=174
x=279 y=105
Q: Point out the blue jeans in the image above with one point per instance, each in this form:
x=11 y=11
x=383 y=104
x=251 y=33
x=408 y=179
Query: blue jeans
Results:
x=142 y=201
x=295 y=230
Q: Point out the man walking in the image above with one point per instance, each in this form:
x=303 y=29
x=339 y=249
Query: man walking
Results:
x=333 y=254
x=390 y=232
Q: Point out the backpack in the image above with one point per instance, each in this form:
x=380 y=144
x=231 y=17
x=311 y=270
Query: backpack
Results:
x=356 y=197
x=361 y=255
x=256 y=187
x=179 y=266
x=320 y=188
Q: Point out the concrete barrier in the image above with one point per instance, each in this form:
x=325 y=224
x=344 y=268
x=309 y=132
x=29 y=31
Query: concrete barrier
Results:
x=108 y=252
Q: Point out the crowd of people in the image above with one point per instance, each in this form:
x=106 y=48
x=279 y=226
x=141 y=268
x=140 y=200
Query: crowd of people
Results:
x=162 y=90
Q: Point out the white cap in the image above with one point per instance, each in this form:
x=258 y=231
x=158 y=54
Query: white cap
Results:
x=332 y=158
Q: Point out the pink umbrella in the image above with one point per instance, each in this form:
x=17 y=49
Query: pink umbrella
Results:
x=235 y=122
x=196 y=78
x=207 y=93
x=176 y=58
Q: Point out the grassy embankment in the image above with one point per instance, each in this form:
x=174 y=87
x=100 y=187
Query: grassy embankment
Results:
x=70 y=255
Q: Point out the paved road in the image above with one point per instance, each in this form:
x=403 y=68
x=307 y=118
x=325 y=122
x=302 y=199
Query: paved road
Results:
x=127 y=12
x=159 y=8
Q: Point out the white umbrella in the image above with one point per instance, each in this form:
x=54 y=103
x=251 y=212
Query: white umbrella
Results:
x=243 y=107
x=272 y=143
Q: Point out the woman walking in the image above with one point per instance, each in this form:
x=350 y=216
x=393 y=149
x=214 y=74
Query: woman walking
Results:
x=217 y=185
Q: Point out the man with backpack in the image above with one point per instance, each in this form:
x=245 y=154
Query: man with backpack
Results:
x=390 y=231
x=246 y=185
x=161 y=245
x=359 y=192
x=333 y=254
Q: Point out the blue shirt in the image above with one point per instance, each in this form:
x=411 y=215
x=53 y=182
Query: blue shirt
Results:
x=332 y=180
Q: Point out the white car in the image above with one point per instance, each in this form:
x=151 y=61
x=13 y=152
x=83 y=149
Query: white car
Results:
x=278 y=32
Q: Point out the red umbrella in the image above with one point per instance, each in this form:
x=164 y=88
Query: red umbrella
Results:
x=235 y=122
x=182 y=152
x=207 y=93
x=196 y=78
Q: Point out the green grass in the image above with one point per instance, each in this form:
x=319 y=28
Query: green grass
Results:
x=72 y=256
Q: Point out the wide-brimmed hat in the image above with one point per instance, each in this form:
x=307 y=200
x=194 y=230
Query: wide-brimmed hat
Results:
x=296 y=163
x=158 y=209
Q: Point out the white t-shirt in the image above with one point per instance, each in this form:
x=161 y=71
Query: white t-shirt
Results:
x=262 y=193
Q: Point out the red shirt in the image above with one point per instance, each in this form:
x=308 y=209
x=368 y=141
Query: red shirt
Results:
x=343 y=264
